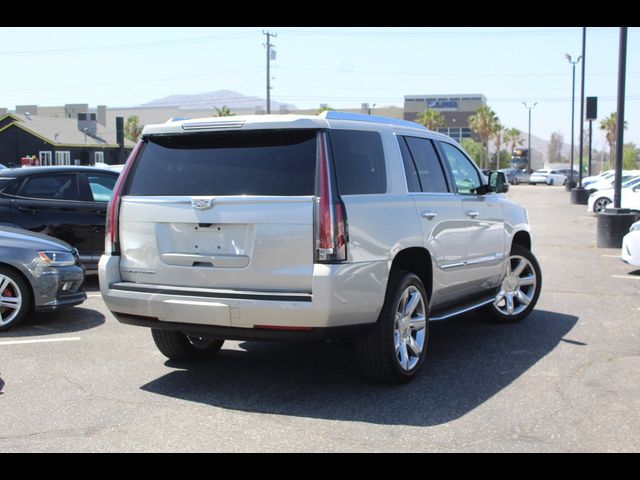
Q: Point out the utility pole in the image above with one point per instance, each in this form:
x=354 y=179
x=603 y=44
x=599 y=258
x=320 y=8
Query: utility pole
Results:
x=584 y=42
x=271 y=55
x=529 y=145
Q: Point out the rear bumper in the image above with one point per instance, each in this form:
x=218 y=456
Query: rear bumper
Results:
x=341 y=296
x=245 y=334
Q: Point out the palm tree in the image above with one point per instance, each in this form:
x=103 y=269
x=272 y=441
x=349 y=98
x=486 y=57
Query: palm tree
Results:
x=512 y=137
x=609 y=125
x=484 y=124
x=224 y=111
x=498 y=136
x=432 y=119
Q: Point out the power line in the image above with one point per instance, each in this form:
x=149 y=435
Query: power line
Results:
x=115 y=84
x=158 y=43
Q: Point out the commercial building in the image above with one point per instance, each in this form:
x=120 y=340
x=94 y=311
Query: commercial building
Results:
x=456 y=110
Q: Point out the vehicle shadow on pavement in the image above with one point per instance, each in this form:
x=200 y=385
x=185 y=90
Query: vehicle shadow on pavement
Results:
x=468 y=362
x=70 y=320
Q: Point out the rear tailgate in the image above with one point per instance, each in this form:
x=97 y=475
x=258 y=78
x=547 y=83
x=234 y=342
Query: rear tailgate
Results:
x=226 y=210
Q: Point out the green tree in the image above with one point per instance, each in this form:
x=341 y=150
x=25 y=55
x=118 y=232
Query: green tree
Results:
x=432 y=119
x=630 y=156
x=609 y=125
x=223 y=112
x=498 y=136
x=484 y=124
x=132 y=128
x=324 y=108
x=473 y=148
x=554 y=150
x=512 y=138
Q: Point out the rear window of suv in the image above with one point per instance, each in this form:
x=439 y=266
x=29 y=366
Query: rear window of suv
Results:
x=273 y=162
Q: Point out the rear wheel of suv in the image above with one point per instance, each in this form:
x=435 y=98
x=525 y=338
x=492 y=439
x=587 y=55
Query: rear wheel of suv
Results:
x=179 y=346
x=520 y=288
x=395 y=349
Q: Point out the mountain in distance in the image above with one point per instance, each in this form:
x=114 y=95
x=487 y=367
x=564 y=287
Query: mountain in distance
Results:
x=219 y=98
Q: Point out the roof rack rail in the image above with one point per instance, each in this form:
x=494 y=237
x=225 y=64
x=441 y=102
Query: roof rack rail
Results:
x=360 y=117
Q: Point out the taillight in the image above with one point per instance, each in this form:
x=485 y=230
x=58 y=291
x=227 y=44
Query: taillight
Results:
x=111 y=242
x=330 y=224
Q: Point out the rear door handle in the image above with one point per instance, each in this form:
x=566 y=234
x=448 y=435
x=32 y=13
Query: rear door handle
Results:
x=429 y=215
x=472 y=213
x=28 y=209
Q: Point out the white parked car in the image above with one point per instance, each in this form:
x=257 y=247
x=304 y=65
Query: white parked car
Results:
x=601 y=199
x=310 y=227
x=606 y=183
x=586 y=181
x=631 y=246
x=548 y=176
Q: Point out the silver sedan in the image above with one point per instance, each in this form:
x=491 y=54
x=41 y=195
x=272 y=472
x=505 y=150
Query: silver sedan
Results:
x=37 y=272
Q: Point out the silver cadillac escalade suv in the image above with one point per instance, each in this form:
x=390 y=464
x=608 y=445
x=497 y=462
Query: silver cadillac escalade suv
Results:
x=305 y=227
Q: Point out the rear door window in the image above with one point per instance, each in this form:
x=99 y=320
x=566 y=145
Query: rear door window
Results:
x=101 y=186
x=428 y=168
x=61 y=186
x=268 y=162
x=359 y=161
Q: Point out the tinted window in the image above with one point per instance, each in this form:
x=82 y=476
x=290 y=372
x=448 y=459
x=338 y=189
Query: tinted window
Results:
x=59 y=187
x=464 y=172
x=101 y=186
x=227 y=163
x=359 y=161
x=426 y=161
x=4 y=182
x=413 y=182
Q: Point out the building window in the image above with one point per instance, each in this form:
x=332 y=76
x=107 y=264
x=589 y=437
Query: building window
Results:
x=63 y=158
x=45 y=158
x=98 y=157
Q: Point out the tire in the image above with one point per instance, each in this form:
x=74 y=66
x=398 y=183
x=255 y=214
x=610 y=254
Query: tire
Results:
x=530 y=277
x=550 y=182
x=600 y=204
x=15 y=298
x=394 y=350
x=178 y=346
x=565 y=182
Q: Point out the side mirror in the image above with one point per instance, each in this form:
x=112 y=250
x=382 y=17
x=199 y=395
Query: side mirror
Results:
x=498 y=182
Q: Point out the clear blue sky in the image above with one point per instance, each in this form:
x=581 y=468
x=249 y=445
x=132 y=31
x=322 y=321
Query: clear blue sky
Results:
x=343 y=67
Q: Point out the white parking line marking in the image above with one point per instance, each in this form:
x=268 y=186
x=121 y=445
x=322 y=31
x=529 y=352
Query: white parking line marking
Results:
x=610 y=256
x=632 y=277
x=40 y=340
x=93 y=295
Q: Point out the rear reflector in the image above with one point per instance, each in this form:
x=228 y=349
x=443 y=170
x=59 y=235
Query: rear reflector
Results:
x=113 y=209
x=331 y=234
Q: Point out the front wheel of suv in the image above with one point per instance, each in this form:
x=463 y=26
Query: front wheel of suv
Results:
x=520 y=288
x=179 y=346
x=395 y=349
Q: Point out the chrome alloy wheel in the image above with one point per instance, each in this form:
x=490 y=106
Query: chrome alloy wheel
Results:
x=409 y=328
x=518 y=287
x=600 y=204
x=10 y=300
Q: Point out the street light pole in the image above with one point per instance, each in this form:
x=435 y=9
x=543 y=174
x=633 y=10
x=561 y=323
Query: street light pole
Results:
x=573 y=103
x=529 y=146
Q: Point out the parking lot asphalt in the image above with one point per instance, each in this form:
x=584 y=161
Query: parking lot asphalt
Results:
x=564 y=379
